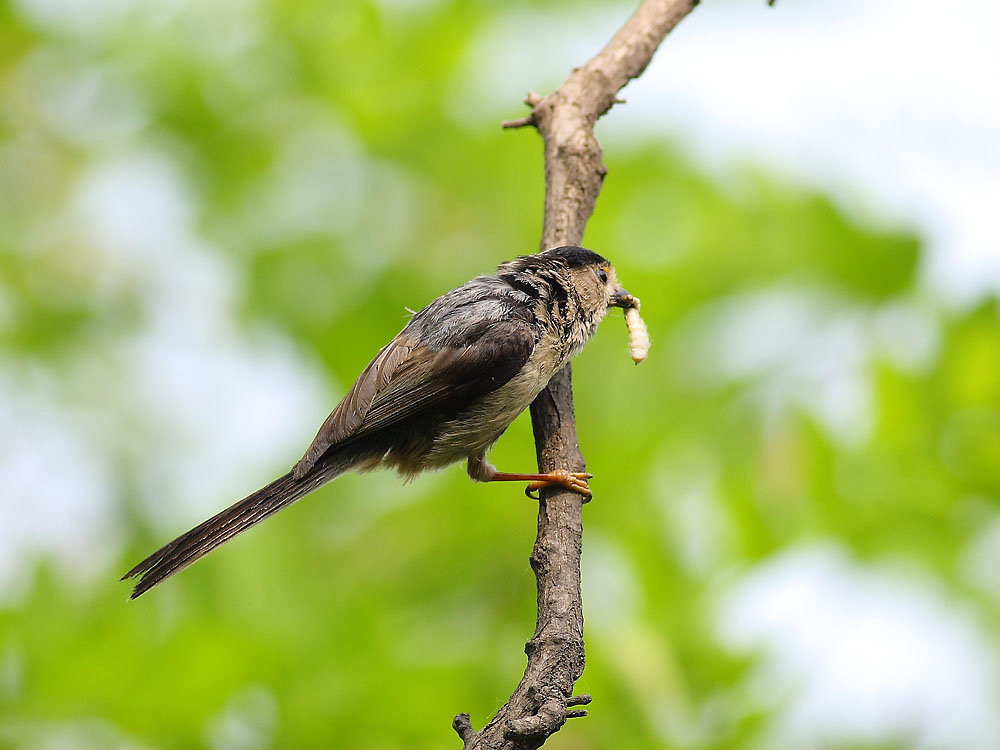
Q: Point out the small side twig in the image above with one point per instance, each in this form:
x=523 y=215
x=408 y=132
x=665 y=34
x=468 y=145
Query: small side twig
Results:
x=532 y=99
x=520 y=122
x=463 y=725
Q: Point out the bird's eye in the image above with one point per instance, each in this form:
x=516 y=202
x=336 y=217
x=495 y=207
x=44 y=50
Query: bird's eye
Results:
x=603 y=275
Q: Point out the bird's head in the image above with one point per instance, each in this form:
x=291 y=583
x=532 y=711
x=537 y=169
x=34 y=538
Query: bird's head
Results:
x=593 y=279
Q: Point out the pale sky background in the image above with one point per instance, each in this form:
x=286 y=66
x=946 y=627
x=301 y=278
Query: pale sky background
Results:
x=889 y=107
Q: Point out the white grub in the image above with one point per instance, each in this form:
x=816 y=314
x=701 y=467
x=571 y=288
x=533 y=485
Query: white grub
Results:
x=637 y=334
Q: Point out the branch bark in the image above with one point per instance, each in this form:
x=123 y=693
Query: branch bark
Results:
x=574 y=171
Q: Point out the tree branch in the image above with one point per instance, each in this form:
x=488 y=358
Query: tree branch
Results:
x=574 y=171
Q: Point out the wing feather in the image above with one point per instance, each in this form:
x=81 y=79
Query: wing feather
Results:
x=407 y=379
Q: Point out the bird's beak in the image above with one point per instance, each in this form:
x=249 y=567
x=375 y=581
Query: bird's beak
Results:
x=621 y=298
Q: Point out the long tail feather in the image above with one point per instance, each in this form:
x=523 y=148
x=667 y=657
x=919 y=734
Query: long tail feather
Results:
x=237 y=518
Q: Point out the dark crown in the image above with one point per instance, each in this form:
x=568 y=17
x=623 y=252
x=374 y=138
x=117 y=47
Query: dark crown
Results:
x=568 y=256
x=576 y=256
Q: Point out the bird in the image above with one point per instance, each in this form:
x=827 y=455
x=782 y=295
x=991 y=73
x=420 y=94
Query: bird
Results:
x=443 y=390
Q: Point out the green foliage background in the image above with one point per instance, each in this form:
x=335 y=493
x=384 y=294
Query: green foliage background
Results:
x=372 y=613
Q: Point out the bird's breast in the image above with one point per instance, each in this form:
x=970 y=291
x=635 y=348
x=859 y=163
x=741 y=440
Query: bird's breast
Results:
x=479 y=425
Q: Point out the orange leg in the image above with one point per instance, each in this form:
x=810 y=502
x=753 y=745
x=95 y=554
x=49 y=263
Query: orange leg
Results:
x=575 y=481
x=483 y=471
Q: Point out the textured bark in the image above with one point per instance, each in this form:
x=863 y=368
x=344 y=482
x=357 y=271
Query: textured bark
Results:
x=574 y=171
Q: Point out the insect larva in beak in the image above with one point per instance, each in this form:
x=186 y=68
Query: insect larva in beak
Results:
x=638 y=336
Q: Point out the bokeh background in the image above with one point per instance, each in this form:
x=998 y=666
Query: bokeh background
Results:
x=212 y=214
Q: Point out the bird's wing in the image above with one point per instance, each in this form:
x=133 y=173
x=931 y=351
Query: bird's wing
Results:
x=408 y=379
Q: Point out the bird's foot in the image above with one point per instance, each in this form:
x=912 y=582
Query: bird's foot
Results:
x=575 y=481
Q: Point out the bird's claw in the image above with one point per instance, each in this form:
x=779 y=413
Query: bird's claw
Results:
x=575 y=481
